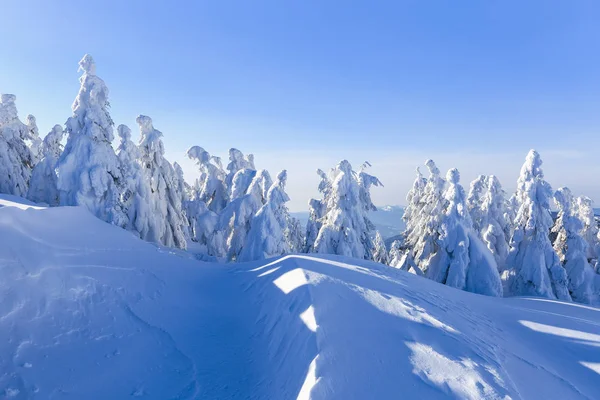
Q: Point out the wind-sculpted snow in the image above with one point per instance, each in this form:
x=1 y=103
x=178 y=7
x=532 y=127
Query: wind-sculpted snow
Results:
x=89 y=311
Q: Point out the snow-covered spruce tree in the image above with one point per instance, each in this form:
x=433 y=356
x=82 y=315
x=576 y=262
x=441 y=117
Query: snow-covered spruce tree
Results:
x=424 y=239
x=462 y=261
x=316 y=211
x=294 y=235
x=211 y=186
x=236 y=219
x=396 y=254
x=533 y=266
x=572 y=248
x=414 y=206
x=237 y=162
x=346 y=229
x=590 y=227
x=136 y=197
x=380 y=253
x=495 y=227
x=43 y=183
x=166 y=207
x=182 y=189
x=88 y=169
x=266 y=237
x=477 y=191
x=35 y=142
x=16 y=161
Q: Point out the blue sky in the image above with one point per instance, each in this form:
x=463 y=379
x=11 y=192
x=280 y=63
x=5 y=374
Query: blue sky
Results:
x=303 y=84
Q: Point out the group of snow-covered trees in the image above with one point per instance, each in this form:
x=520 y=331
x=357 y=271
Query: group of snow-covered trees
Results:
x=482 y=242
x=234 y=213
x=478 y=241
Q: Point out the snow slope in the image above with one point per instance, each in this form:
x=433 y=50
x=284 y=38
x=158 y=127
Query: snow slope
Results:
x=87 y=311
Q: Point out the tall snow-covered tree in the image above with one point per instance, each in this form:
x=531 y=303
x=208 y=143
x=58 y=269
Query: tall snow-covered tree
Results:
x=462 y=261
x=414 y=204
x=136 y=197
x=572 y=248
x=16 y=160
x=316 y=212
x=43 y=183
x=534 y=267
x=236 y=219
x=424 y=239
x=495 y=227
x=34 y=140
x=266 y=237
x=590 y=227
x=477 y=191
x=166 y=200
x=237 y=162
x=88 y=169
x=211 y=185
x=346 y=229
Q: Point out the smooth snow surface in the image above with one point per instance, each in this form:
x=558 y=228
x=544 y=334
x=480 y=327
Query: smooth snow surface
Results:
x=88 y=311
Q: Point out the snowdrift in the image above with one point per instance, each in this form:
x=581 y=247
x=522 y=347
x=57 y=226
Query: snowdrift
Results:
x=88 y=311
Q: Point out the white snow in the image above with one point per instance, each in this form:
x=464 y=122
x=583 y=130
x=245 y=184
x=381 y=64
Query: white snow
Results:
x=90 y=311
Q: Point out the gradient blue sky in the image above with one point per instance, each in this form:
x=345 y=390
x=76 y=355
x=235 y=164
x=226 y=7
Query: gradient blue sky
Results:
x=303 y=84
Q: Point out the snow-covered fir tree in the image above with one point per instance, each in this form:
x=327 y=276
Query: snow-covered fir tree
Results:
x=88 y=169
x=294 y=235
x=462 y=261
x=43 y=184
x=424 y=239
x=136 y=197
x=237 y=162
x=477 y=191
x=34 y=140
x=534 y=267
x=396 y=254
x=380 y=253
x=572 y=248
x=236 y=219
x=346 y=229
x=16 y=160
x=589 y=232
x=266 y=237
x=166 y=207
x=211 y=184
x=316 y=212
x=414 y=206
x=495 y=227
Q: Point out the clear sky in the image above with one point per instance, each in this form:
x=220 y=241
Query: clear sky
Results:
x=303 y=84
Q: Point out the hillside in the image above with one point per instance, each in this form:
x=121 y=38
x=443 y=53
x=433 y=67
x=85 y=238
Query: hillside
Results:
x=88 y=311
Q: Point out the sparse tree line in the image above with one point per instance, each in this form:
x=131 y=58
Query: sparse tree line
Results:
x=478 y=241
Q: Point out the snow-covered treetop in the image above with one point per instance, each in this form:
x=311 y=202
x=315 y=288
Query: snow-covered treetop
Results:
x=150 y=138
x=51 y=145
x=32 y=125
x=433 y=169
x=8 y=109
x=531 y=169
x=87 y=65
x=90 y=108
x=366 y=181
x=124 y=132
x=276 y=194
x=128 y=152
x=198 y=154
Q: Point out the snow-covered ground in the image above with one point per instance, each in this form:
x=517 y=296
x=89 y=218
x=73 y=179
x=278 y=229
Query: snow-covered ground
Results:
x=87 y=311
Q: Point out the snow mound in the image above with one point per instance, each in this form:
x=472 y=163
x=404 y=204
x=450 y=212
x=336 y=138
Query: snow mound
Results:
x=87 y=310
